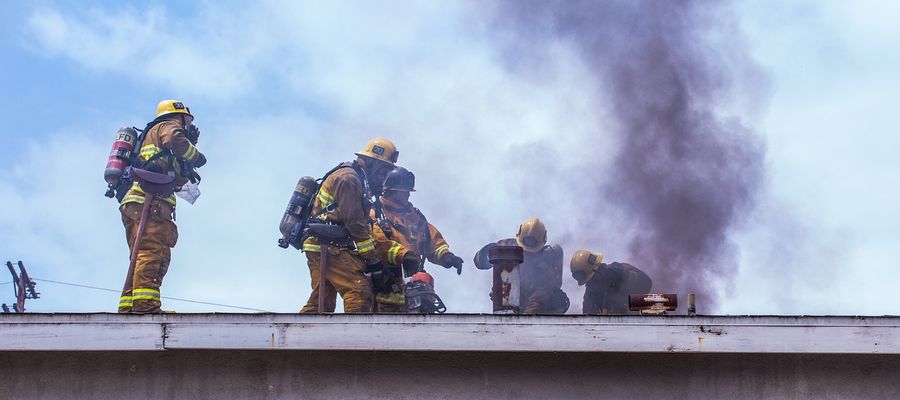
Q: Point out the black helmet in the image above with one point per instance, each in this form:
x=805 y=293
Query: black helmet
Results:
x=400 y=179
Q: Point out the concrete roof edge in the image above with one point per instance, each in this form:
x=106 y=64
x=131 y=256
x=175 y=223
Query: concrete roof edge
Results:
x=452 y=332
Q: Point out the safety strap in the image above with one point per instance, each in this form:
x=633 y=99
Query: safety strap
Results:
x=424 y=224
x=379 y=209
x=140 y=139
x=387 y=227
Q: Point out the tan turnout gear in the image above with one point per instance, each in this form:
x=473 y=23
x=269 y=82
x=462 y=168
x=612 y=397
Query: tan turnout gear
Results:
x=341 y=201
x=409 y=231
x=380 y=149
x=607 y=290
x=141 y=293
x=166 y=136
x=532 y=235
x=345 y=276
x=584 y=264
x=404 y=231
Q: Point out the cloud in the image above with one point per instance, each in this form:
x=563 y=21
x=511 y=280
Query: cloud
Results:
x=147 y=44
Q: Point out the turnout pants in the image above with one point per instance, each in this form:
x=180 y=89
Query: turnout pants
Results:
x=346 y=276
x=393 y=302
x=141 y=294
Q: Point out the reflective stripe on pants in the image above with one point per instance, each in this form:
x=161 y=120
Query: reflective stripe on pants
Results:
x=141 y=294
x=345 y=276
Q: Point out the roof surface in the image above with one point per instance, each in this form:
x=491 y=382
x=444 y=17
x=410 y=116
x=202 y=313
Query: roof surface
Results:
x=453 y=332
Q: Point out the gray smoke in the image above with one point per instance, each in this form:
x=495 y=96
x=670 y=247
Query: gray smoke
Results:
x=685 y=174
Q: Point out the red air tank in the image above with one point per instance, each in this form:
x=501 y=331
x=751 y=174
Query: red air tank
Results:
x=119 y=156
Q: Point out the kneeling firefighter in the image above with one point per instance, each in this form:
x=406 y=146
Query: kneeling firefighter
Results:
x=540 y=275
x=338 y=241
x=163 y=160
x=412 y=240
x=607 y=286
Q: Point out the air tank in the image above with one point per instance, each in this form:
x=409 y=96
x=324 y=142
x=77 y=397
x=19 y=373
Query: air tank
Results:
x=297 y=212
x=119 y=156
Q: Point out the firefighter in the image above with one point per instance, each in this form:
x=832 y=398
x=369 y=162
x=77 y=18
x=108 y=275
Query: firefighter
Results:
x=607 y=286
x=540 y=275
x=165 y=149
x=411 y=238
x=345 y=199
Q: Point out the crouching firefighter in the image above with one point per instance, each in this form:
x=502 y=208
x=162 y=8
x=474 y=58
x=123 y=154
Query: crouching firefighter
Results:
x=163 y=160
x=540 y=275
x=412 y=240
x=607 y=286
x=339 y=245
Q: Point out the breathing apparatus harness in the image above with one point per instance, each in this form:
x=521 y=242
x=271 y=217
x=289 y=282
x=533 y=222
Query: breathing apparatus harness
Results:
x=388 y=226
x=420 y=296
x=303 y=222
x=186 y=168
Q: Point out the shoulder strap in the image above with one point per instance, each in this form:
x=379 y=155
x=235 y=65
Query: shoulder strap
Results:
x=427 y=244
x=320 y=181
x=387 y=227
x=139 y=143
x=367 y=195
x=327 y=174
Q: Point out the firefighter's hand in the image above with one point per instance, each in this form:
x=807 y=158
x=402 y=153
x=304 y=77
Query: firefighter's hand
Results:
x=375 y=265
x=450 y=260
x=193 y=134
x=411 y=263
x=380 y=274
x=200 y=161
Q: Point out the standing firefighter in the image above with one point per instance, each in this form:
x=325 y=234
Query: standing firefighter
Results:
x=165 y=148
x=344 y=201
x=411 y=237
x=540 y=274
x=607 y=286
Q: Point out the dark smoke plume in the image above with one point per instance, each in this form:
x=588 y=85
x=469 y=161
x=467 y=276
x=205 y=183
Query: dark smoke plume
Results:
x=685 y=174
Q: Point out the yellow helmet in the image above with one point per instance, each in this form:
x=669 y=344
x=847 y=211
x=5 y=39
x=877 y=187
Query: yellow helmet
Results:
x=532 y=235
x=171 y=107
x=584 y=264
x=381 y=149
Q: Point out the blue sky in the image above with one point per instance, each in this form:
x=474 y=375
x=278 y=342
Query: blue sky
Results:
x=287 y=89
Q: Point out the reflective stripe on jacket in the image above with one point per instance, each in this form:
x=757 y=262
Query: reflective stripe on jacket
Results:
x=340 y=201
x=167 y=135
x=409 y=231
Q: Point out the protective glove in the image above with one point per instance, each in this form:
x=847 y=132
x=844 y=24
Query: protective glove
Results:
x=193 y=134
x=200 y=161
x=450 y=260
x=481 y=258
x=411 y=264
x=381 y=275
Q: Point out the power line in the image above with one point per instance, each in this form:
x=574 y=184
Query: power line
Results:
x=5 y=283
x=164 y=297
x=79 y=285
